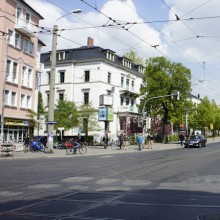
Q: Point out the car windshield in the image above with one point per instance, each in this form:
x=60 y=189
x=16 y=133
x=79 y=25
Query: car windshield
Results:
x=193 y=137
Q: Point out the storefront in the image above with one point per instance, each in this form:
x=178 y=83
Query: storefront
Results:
x=17 y=129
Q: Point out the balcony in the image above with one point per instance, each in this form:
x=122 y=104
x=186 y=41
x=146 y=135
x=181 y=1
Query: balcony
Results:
x=124 y=109
x=26 y=28
x=128 y=91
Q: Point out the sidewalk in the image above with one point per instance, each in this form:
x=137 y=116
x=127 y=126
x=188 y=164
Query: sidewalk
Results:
x=99 y=150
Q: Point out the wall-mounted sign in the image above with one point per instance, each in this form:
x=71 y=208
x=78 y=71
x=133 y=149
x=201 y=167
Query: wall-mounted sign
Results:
x=105 y=114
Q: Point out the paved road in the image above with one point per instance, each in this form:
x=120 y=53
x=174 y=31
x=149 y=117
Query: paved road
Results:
x=153 y=184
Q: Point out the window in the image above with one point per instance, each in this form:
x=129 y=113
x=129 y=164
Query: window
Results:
x=15 y=67
x=8 y=69
x=13 y=98
x=29 y=84
x=48 y=99
x=62 y=77
x=18 y=14
x=61 y=96
x=122 y=100
x=132 y=84
x=48 y=74
x=60 y=56
x=24 y=68
x=28 y=46
x=127 y=84
x=87 y=75
x=109 y=77
x=86 y=98
x=132 y=102
x=122 y=81
x=28 y=104
x=6 y=97
x=127 y=101
x=22 y=104
x=17 y=40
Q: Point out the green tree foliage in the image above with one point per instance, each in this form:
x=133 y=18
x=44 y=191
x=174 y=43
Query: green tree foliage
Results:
x=88 y=118
x=66 y=115
x=163 y=77
x=39 y=116
x=132 y=55
x=206 y=113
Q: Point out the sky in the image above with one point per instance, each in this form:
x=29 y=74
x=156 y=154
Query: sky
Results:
x=183 y=31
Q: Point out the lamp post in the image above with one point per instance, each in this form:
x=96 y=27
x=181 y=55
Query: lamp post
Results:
x=52 y=84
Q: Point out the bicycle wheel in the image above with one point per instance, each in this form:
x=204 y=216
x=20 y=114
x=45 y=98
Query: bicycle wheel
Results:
x=69 y=150
x=114 y=146
x=82 y=150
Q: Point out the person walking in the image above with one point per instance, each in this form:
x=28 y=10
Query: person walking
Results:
x=149 y=141
x=182 y=138
x=105 y=140
x=140 y=142
x=120 y=138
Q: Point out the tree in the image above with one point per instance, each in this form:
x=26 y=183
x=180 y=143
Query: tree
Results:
x=66 y=115
x=88 y=118
x=38 y=116
x=161 y=78
x=132 y=55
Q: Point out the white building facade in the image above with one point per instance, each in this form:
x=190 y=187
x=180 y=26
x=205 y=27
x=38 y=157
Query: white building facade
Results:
x=84 y=74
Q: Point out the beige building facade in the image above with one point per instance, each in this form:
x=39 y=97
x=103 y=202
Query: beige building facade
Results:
x=19 y=67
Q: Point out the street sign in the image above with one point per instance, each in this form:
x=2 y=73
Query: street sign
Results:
x=50 y=122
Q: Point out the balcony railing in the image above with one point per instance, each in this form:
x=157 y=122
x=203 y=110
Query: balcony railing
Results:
x=26 y=28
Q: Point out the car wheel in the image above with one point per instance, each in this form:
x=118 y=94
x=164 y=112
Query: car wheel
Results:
x=199 y=145
x=204 y=144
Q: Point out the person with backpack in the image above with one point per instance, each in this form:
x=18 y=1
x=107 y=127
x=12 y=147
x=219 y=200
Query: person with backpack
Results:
x=140 y=142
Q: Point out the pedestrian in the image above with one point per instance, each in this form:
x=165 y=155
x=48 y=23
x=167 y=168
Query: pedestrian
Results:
x=140 y=141
x=182 y=138
x=150 y=140
x=105 y=140
x=120 y=138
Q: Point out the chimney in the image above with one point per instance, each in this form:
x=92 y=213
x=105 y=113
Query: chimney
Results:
x=90 y=42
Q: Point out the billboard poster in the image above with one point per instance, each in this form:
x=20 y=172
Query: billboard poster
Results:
x=102 y=114
x=110 y=114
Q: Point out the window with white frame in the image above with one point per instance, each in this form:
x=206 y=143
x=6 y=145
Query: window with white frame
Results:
x=127 y=101
x=48 y=77
x=87 y=75
x=109 y=77
x=122 y=100
x=127 y=84
x=17 y=40
x=15 y=70
x=8 y=65
x=28 y=102
x=22 y=104
x=132 y=102
x=29 y=78
x=7 y=97
x=86 y=97
x=62 y=76
x=18 y=15
x=132 y=84
x=28 y=46
x=122 y=81
x=61 y=96
x=48 y=99
x=24 y=69
x=13 y=99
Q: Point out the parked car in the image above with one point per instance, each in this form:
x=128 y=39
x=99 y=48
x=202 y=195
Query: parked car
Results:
x=195 y=141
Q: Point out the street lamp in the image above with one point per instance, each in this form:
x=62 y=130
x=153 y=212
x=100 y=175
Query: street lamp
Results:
x=52 y=83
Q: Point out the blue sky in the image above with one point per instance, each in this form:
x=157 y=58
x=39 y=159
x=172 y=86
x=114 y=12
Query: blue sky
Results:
x=192 y=40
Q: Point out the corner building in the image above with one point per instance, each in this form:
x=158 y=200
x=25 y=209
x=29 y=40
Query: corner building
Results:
x=84 y=74
x=20 y=67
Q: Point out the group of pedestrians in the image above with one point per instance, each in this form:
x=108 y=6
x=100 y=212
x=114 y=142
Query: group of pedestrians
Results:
x=141 y=141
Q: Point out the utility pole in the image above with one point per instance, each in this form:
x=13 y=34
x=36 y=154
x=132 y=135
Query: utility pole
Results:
x=3 y=90
x=50 y=123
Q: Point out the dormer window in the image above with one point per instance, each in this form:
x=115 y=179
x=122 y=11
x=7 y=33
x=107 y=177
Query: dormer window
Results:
x=126 y=63
x=110 y=56
x=61 y=55
x=141 y=69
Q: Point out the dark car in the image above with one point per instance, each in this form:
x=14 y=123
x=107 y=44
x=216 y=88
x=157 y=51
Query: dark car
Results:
x=195 y=141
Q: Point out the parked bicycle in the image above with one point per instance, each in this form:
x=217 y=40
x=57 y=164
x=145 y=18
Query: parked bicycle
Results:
x=72 y=147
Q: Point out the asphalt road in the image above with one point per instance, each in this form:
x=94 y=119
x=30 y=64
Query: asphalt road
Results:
x=173 y=184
